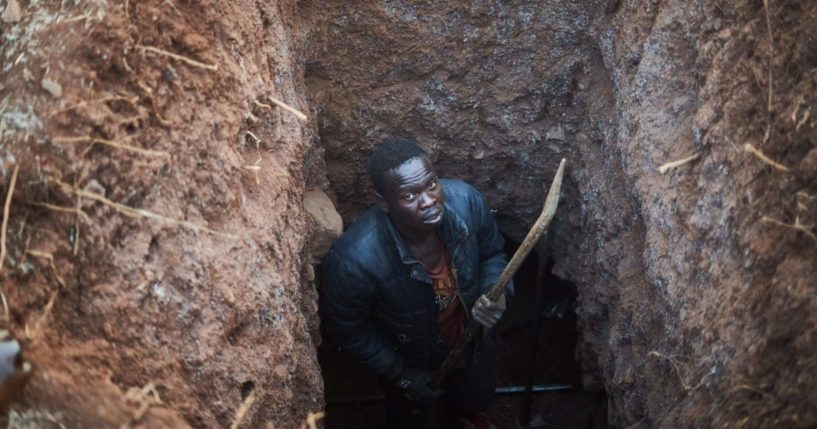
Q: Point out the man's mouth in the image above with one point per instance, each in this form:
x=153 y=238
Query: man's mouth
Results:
x=433 y=216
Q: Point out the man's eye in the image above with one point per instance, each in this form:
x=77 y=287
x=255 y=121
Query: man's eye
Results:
x=408 y=196
x=432 y=184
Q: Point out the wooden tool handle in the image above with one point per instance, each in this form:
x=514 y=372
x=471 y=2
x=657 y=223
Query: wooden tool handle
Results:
x=548 y=211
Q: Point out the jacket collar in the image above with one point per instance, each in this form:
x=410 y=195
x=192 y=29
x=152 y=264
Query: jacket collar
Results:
x=453 y=231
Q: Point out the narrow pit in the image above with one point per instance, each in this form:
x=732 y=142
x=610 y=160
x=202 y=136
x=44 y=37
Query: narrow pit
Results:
x=538 y=378
x=157 y=155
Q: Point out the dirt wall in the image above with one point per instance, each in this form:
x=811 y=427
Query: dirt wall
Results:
x=156 y=237
x=696 y=304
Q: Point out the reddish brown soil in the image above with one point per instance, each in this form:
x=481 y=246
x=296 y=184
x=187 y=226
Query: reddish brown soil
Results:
x=207 y=317
x=697 y=303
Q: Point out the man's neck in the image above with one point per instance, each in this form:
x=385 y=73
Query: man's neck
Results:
x=414 y=238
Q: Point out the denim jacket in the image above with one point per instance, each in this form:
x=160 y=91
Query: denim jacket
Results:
x=377 y=302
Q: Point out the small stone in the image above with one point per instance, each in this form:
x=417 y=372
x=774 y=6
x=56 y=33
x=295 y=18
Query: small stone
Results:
x=52 y=87
x=328 y=223
x=13 y=13
x=555 y=133
x=479 y=154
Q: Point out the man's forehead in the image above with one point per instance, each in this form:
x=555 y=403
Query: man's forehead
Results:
x=414 y=171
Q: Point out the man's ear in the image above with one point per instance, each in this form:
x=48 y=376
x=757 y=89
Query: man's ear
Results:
x=381 y=202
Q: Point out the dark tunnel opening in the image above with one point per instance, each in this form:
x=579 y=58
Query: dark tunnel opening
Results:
x=538 y=378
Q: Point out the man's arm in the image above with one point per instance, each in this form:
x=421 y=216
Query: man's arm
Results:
x=345 y=306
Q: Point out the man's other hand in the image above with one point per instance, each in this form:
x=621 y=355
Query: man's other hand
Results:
x=415 y=384
x=487 y=313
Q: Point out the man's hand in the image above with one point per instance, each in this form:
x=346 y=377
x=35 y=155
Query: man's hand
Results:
x=414 y=383
x=487 y=313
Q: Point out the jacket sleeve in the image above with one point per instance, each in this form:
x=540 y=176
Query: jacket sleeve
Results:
x=345 y=306
x=492 y=259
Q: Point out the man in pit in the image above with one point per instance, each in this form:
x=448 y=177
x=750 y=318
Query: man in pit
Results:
x=400 y=285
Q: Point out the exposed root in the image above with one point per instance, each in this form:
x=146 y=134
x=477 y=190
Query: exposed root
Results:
x=80 y=213
x=143 y=398
x=137 y=213
x=149 y=92
x=86 y=103
x=242 y=410
x=82 y=17
x=50 y=258
x=670 y=165
x=255 y=138
x=300 y=115
x=73 y=210
x=677 y=366
x=312 y=420
x=771 y=50
x=6 y=209
x=255 y=168
x=34 y=332
x=805 y=195
x=123 y=146
x=805 y=229
x=741 y=387
x=192 y=62
x=748 y=147
x=798 y=123
x=5 y=321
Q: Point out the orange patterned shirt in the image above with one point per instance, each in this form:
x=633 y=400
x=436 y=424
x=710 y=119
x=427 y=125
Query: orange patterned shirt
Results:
x=451 y=316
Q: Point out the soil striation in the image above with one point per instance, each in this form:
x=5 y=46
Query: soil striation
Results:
x=158 y=266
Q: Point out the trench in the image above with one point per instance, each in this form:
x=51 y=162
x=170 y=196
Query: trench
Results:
x=497 y=94
x=693 y=283
x=539 y=380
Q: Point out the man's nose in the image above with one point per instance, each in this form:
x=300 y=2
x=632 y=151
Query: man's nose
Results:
x=427 y=200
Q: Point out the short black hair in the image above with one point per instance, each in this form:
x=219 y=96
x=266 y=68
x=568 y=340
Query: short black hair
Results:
x=392 y=152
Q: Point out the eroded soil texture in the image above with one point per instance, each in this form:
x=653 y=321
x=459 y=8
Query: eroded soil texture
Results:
x=159 y=255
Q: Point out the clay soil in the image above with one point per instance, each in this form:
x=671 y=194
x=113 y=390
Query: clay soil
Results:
x=198 y=294
x=159 y=257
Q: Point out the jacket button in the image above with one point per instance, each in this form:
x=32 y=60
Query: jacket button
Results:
x=403 y=338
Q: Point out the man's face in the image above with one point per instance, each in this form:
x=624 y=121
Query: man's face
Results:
x=413 y=196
